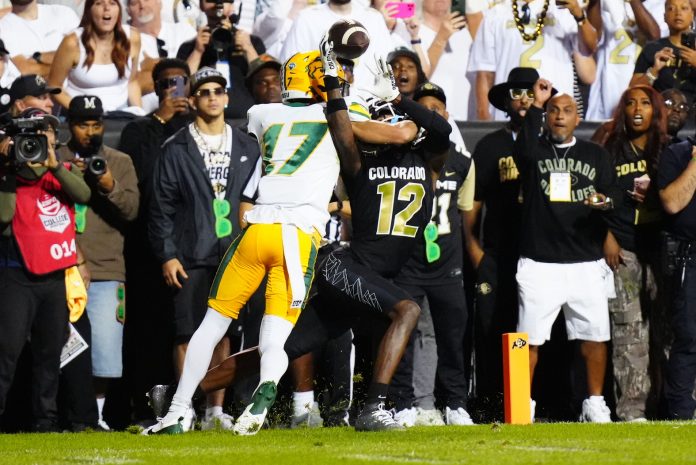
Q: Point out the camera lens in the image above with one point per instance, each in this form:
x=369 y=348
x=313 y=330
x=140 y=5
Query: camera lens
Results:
x=97 y=166
x=29 y=149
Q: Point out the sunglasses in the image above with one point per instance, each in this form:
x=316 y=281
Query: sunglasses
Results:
x=80 y=218
x=671 y=105
x=432 y=249
x=218 y=91
x=168 y=83
x=516 y=94
x=223 y=226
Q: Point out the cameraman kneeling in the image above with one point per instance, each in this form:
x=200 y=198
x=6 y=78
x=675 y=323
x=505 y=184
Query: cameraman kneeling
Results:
x=37 y=244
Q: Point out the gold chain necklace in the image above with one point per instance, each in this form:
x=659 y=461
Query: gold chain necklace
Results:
x=539 y=25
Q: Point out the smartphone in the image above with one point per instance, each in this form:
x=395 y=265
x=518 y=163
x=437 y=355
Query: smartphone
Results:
x=404 y=10
x=688 y=40
x=458 y=6
x=641 y=184
x=179 y=87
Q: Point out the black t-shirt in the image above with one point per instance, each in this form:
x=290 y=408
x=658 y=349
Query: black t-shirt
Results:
x=681 y=76
x=498 y=187
x=631 y=219
x=390 y=198
x=673 y=161
x=240 y=97
x=448 y=219
x=560 y=232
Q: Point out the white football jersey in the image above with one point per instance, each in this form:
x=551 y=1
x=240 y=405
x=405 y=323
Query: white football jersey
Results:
x=619 y=47
x=298 y=168
x=499 y=46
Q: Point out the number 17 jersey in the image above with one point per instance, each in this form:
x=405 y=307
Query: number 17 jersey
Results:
x=299 y=165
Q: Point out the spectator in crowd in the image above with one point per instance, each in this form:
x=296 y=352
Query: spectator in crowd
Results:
x=403 y=32
x=31 y=91
x=159 y=39
x=314 y=21
x=677 y=112
x=263 y=79
x=274 y=21
x=676 y=183
x=636 y=137
x=146 y=343
x=100 y=227
x=99 y=58
x=666 y=63
x=36 y=219
x=561 y=264
x=625 y=27
x=437 y=274
x=549 y=45
x=8 y=73
x=448 y=42
x=494 y=247
x=230 y=52
x=33 y=32
x=199 y=179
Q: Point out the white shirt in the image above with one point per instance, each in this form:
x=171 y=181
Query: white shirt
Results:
x=451 y=70
x=44 y=34
x=311 y=24
x=499 y=47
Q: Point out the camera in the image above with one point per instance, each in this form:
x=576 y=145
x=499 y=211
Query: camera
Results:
x=96 y=165
x=221 y=38
x=28 y=146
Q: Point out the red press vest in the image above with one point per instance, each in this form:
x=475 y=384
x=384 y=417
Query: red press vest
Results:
x=44 y=225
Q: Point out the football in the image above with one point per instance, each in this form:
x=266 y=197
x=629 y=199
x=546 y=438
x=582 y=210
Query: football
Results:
x=350 y=38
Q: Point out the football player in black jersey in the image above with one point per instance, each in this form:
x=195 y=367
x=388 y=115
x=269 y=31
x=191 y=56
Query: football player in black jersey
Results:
x=434 y=269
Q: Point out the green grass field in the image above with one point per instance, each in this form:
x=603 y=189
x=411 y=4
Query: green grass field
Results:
x=559 y=443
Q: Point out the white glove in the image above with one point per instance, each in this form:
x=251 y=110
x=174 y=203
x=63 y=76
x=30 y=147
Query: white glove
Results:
x=384 y=85
x=328 y=57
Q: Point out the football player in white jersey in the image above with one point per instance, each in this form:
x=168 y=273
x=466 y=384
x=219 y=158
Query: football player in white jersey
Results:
x=500 y=47
x=626 y=26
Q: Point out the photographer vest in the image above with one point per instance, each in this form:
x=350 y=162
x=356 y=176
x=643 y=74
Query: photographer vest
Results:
x=44 y=225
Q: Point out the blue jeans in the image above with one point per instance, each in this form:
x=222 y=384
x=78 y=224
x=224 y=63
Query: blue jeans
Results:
x=103 y=303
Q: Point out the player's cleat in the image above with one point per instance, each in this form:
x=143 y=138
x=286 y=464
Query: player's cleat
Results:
x=429 y=417
x=374 y=418
x=251 y=420
x=103 y=426
x=310 y=419
x=160 y=398
x=173 y=423
x=406 y=417
x=458 y=417
x=532 y=408
x=218 y=422
x=595 y=410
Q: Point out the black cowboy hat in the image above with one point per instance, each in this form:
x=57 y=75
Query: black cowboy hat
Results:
x=519 y=78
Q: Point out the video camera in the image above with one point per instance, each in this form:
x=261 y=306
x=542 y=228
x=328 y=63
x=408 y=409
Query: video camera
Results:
x=28 y=146
x=221 y=38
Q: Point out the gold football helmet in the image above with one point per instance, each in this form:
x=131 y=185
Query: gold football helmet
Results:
x=302 y=77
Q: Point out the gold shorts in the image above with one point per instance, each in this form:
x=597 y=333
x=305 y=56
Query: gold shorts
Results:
x=258 y=251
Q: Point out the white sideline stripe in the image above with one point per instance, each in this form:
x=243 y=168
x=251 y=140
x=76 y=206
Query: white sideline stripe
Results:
x=398 y=459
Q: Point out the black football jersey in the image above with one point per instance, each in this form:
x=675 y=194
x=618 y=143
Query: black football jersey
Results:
x=448 y=219
x=390 y=199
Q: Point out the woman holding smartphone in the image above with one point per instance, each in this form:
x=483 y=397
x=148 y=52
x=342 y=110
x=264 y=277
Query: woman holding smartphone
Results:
x=99 y=58
x=637 y=135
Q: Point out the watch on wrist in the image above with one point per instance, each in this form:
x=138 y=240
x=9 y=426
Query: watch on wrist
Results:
x=37 y=57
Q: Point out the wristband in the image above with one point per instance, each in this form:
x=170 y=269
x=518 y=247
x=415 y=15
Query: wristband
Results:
x=415 y=42
x=651 y=77
x=581 y=19
x=331 y=83
x=334 y=105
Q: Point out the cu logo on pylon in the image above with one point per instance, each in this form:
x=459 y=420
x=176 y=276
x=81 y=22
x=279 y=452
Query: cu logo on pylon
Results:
x=519 y=343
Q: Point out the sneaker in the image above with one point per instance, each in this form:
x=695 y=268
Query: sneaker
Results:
x=532 y=408
x=103 y=426
x=406 y=417
x=218 y=422
x=159 y=398
x=429 y=417
x=251 y=420
x=173 y=423
x=310 y=419
x=457 y=417
x=374 y=418
x=595 y=410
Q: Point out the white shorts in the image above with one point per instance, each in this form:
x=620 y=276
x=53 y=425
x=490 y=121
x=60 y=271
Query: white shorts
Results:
x=580 y=289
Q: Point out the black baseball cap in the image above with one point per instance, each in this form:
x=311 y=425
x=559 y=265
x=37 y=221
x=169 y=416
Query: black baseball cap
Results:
x=204 y=75
x=85 y=107
x=31 y=84
x=428 y=89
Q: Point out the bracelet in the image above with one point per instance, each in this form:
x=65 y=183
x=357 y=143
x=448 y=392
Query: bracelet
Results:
x=159 y=118
x=581 y=19
x=415 y=42
x=651 y=77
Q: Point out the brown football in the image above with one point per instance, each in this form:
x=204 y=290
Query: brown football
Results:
x=350 y=38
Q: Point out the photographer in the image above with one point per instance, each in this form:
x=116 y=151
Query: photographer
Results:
x=100 y=227
x=37 y=245
x=670 y=62
x=222 y=46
